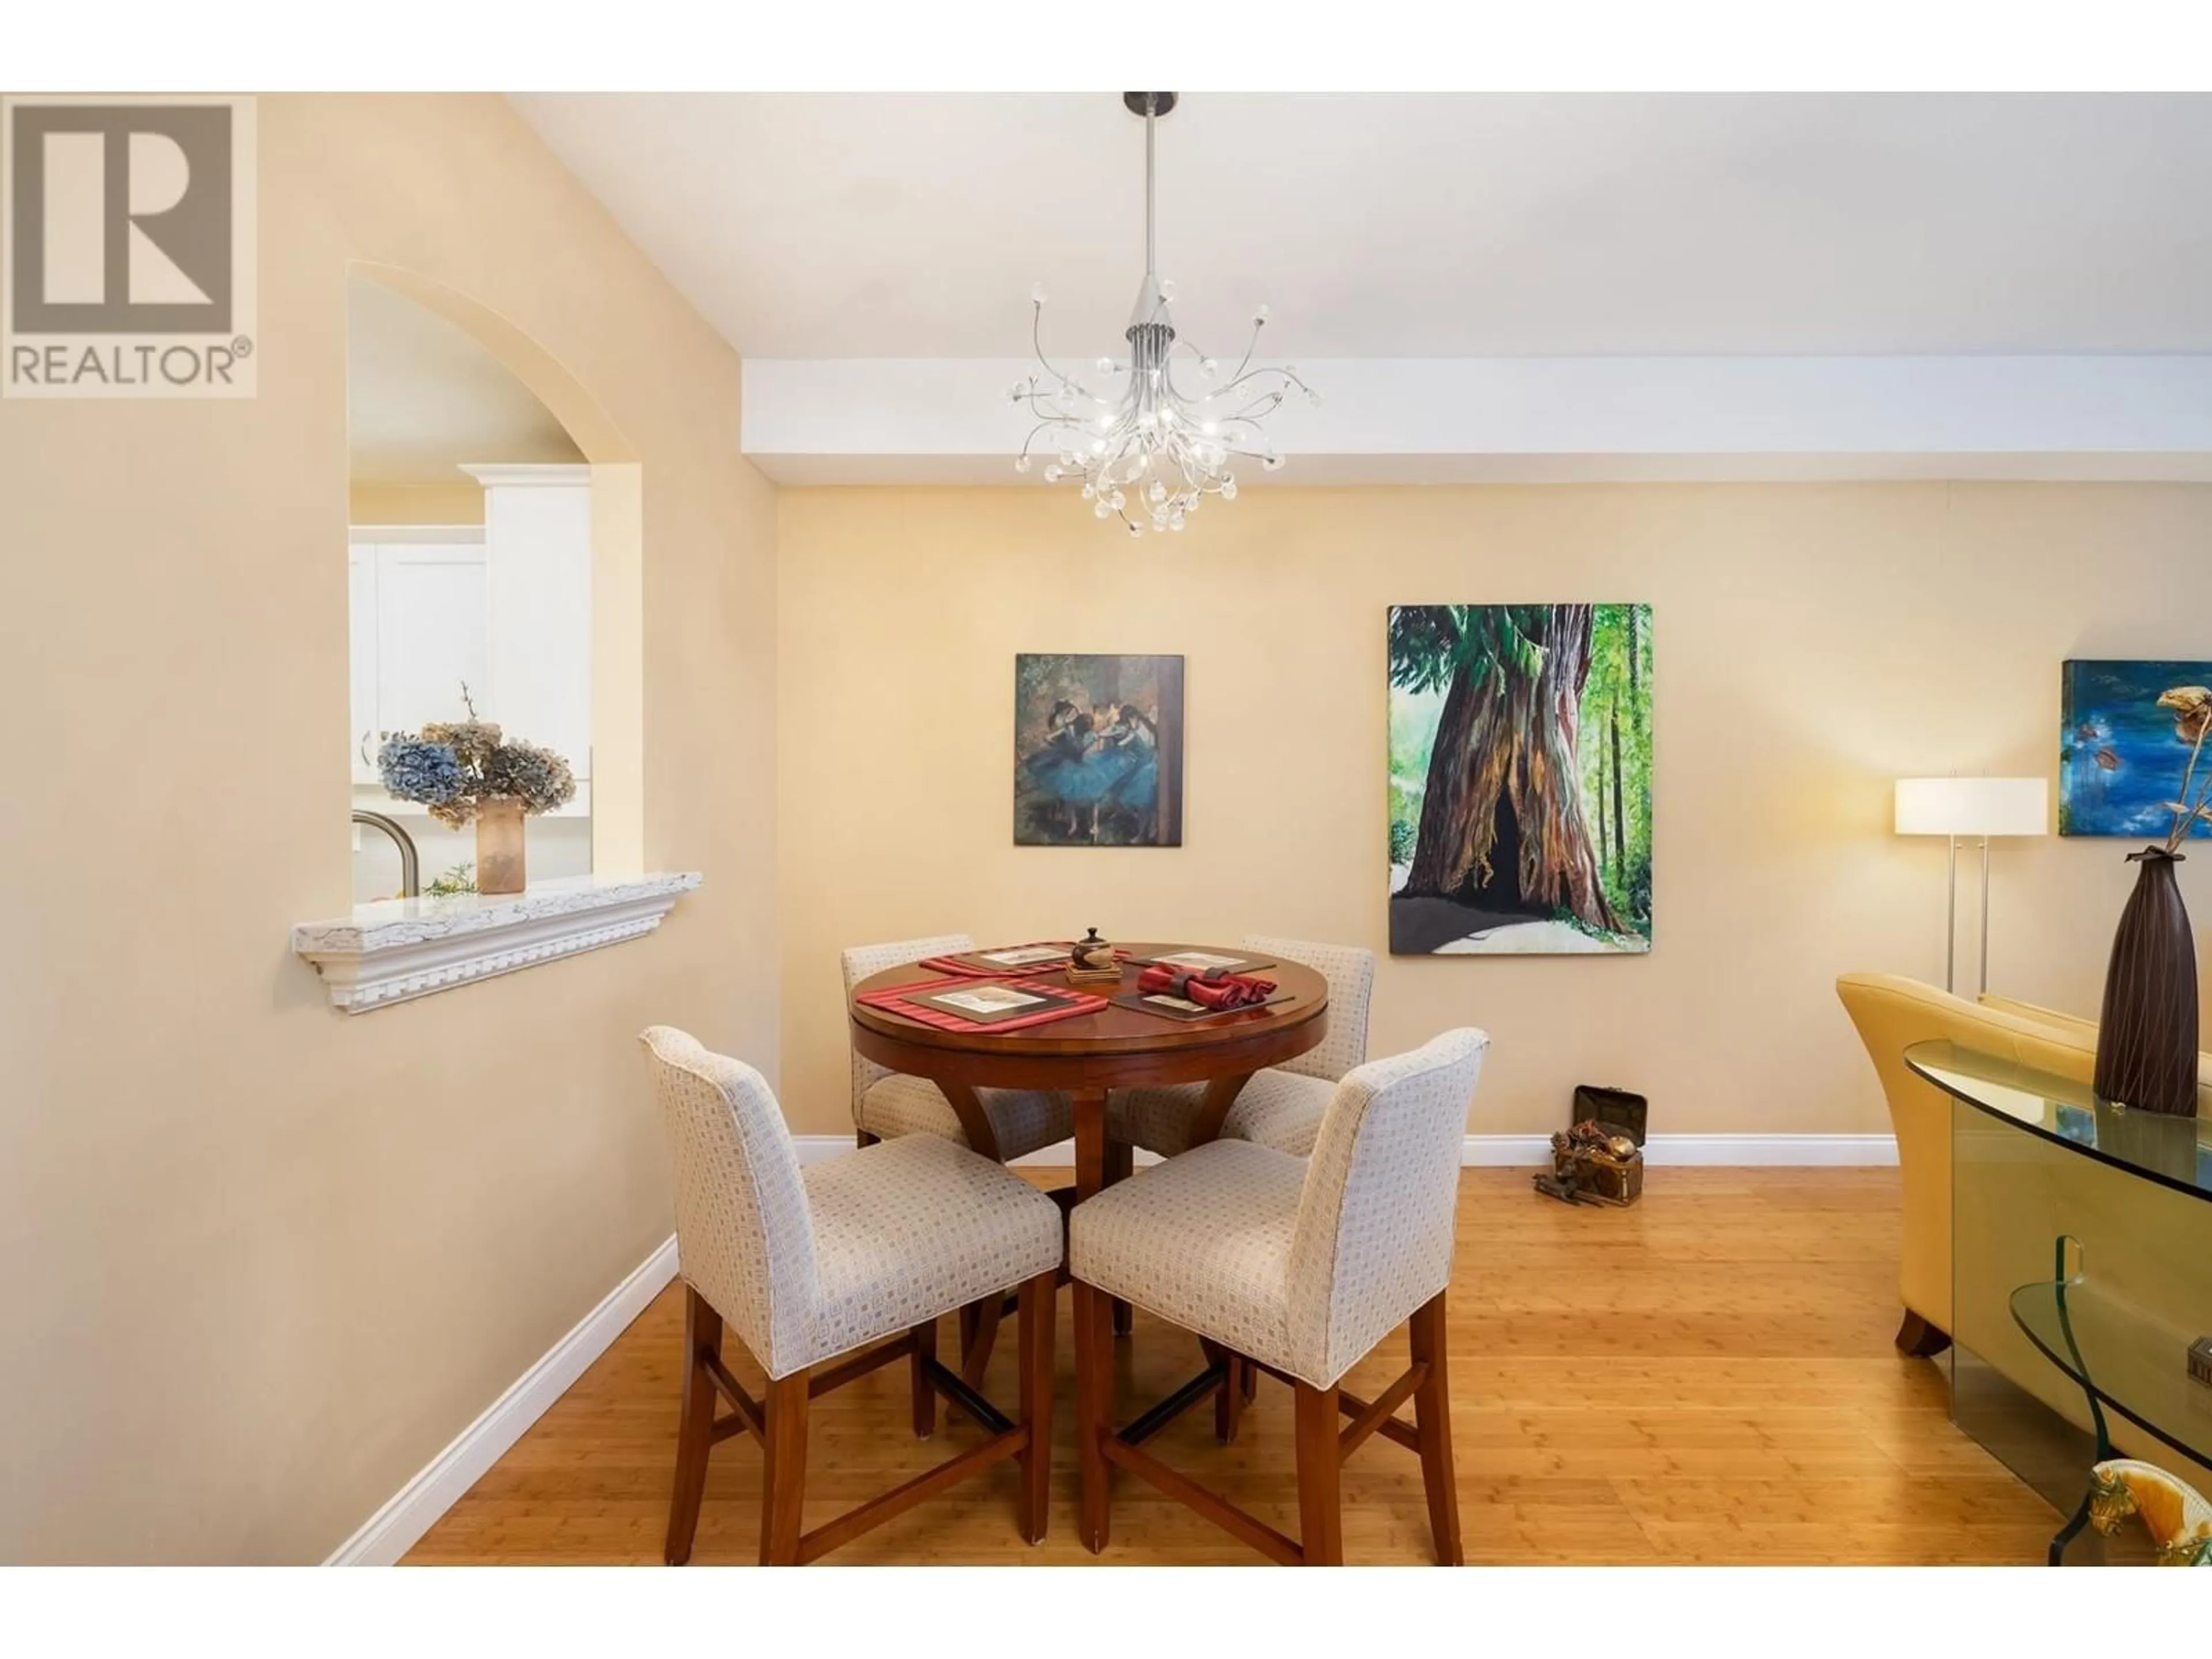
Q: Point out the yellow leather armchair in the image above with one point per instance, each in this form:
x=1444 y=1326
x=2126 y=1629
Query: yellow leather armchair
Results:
x=1892 y=1014
x=2085 y=1031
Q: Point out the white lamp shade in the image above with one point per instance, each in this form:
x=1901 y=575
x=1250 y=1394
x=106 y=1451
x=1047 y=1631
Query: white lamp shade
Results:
x=1973 y=806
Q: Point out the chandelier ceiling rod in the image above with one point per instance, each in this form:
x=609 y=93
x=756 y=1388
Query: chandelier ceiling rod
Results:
x=1151 y=105
x=1152 y=120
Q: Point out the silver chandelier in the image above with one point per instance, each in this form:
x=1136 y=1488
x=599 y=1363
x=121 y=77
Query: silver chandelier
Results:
x=1150 y=452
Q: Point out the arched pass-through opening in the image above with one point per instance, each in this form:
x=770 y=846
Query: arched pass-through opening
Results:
x=618 y=622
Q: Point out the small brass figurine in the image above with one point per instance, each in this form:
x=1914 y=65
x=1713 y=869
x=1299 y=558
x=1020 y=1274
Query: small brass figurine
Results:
x=1092 y=958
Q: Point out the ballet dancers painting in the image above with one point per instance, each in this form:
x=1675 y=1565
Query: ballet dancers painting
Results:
x=1097 y=751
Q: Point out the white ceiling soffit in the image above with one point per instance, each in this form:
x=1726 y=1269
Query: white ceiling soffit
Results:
x=1482 y=284
x=423 y=398
x=1549 y=419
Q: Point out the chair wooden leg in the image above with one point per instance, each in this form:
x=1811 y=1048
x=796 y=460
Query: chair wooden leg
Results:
x=1038 y=1316
x=1432 y=1423
x=1251 y=1380
x=1120 y=1164
x=1229 y=1398
x=925 y=1392
x=976 y=1344
x=1094 y=1404
x=1320 y=1511
x=694 y=1433
x=783 y=1481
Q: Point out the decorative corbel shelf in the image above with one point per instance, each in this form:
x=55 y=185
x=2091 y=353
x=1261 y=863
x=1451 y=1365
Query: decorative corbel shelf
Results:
x=395 y=949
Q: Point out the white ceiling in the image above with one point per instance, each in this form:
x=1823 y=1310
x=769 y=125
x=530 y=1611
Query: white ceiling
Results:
x=424 y=399
x=1438 y=225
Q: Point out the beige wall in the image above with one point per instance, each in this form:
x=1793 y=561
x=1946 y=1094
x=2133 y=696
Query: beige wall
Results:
x=260 y=1261
x=1812 y=642
x=432 y=504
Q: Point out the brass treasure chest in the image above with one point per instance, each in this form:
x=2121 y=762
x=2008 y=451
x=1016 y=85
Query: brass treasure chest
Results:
x=1594 y=1160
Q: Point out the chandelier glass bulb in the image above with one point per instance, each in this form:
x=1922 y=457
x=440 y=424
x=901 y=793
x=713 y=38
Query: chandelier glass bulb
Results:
x=1184 y=438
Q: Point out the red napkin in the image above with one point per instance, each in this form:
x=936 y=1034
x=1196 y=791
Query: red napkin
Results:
x=1209 y=990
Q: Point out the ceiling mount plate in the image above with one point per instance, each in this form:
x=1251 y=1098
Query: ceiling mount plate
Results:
x=1135 y=101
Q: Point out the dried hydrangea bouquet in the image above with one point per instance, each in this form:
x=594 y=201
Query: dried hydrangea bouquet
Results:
x=466 y=772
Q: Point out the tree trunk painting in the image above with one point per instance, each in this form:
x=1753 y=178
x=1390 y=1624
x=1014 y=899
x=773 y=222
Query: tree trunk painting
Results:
x=1512 y=846
x=1605 y=854
x=1503 y=826
x=1620 y=818
x=1635 y=688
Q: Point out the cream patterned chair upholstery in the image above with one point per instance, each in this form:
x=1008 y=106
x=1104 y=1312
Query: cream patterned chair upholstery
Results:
x=1301 y=1265
x=1282 y=1106
x=888 y=1104
x=809 y=1265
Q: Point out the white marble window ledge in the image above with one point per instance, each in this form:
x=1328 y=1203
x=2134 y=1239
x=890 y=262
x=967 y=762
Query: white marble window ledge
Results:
x=397 y=949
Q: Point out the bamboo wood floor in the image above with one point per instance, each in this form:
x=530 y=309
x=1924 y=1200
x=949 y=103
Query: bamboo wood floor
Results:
x=1705 y=1378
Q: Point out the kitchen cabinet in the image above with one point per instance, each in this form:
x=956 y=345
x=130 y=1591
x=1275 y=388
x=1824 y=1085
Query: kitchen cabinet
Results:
x=538 y=546
x=505 y=608
x=421 y=629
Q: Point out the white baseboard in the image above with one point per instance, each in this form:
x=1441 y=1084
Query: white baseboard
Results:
x=392 y=1531
x=1803 y=1151
x=1772 y=1151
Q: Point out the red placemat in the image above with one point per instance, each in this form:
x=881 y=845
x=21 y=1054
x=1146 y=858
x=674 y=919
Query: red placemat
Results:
x=897 y=999
x=971 y=965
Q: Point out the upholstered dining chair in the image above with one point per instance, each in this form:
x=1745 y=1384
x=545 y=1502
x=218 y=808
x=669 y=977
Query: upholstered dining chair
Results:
x=1281 y=1106
x=812 y=1266
x=1299 y=1267
x=887 y=1104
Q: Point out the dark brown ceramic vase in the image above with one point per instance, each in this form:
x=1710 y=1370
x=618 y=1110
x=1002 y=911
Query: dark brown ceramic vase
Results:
x=2147 y=1039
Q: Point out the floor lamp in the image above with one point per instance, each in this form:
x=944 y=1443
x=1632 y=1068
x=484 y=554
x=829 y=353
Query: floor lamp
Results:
x=1980 y=807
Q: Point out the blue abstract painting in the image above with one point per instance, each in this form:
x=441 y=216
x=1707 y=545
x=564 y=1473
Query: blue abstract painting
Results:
x=2121 y=755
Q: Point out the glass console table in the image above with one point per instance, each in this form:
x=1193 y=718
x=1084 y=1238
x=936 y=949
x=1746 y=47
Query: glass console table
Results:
x=2081 y=1271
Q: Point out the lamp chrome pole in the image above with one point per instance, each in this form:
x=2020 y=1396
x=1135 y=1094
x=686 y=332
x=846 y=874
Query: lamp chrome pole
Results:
x=1985 y=916
x=1951 y=924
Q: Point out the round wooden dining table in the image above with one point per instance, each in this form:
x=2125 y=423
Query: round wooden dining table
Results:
x=1088 y=1055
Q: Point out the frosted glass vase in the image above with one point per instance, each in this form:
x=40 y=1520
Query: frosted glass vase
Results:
x=500 y=846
